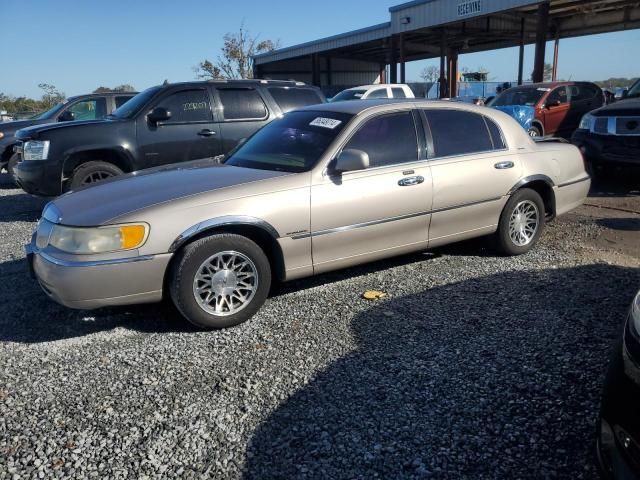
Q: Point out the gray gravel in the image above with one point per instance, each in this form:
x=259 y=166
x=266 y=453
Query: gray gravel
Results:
x=473 y=366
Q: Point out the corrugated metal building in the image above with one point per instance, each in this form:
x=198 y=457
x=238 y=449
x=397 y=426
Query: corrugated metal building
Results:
x=424 y=29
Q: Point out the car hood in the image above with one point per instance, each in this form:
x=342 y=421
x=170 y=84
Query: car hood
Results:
x=100 y=204
x=36 y=130
x=524 y=114
x=18 y=124
x=625 y=107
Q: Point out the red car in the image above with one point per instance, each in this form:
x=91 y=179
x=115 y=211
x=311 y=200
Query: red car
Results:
x=553 y=108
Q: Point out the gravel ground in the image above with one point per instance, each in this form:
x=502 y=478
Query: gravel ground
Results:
x=473 y=366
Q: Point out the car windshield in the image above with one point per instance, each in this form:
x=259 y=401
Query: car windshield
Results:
x=519 y=96
x=133 y=106
x=52 y=112
x=349 y=95
x=634 y=91
x=293 y=143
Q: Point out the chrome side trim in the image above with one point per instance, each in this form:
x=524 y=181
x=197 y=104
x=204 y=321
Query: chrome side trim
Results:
x=389 y=219
x=574 y=182
x=221 y=222
x=529 y=179
x=91 y=263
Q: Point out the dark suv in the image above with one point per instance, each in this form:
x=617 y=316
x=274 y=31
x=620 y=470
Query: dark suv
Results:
x=164 y=124
x=81 y=107
x=609 y=137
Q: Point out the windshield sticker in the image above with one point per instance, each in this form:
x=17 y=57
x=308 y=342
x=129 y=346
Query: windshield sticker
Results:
x=325 y=122
x=543 y=89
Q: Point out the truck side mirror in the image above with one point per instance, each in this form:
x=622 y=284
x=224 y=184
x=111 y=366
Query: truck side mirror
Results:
x=159 y=114
x=67 y=116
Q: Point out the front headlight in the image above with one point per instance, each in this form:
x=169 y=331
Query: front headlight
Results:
x=586 y=122
x=83 y=240
x=36 y=150
x=1 y=135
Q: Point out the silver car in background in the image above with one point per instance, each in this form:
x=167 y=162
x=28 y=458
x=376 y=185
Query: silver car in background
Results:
x=325 y=187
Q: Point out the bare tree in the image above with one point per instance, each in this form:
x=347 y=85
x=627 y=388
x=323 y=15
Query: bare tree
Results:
x=51 y=95
x=430 y=73
x=120 y=88
x=235 y=59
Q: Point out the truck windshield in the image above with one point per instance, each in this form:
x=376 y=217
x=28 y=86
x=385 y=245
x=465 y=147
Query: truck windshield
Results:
x=133 y=106
x=293 y=143
x=634 y=91
x=519 y=96
x=52 y=112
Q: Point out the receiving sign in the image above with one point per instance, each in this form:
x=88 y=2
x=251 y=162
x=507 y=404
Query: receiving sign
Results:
x=469 y=7
x=325 y=122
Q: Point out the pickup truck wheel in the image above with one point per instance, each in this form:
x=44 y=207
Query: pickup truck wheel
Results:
x=92 y=172
x=521 y=222
x=220 y=281
x=13 y=161
x=534 y=131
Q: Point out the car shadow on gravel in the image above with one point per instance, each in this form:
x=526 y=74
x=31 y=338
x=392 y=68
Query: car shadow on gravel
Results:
x=6 y=182
x=493 y=377
x=625 y=224
x=28 y=316
x=21 y=208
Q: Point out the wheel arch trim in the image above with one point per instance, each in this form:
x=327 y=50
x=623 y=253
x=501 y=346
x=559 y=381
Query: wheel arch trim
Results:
x=226 y=220
x=531 y=178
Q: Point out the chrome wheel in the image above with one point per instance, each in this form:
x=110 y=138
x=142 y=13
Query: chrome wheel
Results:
x=533 y=132
x=94 y=177
x=523 y=223
x=225 y=283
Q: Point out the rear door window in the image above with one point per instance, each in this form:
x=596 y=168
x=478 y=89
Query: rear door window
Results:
x=398 y=92
x=187 y=106
x=289 y=98
x=388 y=140
x=457 y=132
x=242 y=104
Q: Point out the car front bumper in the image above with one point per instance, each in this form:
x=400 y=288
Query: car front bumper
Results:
x=84 y=284
x=608 y=150
x=40 y=178
x=618 y=438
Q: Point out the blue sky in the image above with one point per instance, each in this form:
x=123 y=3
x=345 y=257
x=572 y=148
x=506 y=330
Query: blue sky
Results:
x=79 y=45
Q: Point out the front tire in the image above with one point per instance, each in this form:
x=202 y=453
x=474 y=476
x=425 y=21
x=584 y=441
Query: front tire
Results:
x=220 y=281
x=93 y=172
x=521 y=222
x=534 y=131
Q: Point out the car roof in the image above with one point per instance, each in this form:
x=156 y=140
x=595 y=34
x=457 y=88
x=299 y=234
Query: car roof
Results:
x=376 y=85
x=550 y=84
x=356 y=107
x=274 y=83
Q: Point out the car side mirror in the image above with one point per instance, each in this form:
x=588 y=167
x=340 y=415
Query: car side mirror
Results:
x=350 y=160
x=67 y=116
x=159 y=114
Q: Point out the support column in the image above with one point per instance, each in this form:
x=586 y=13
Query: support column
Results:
x=403 y=77
x=383 y=73
x=315 y=70
x=329 y=79
x=541 y=40
x=555 y=57
x=393 y=64
x=521 y=54
x=443 y=52
x=452 y=73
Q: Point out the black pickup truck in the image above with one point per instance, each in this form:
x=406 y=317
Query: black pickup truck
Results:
x=609 y=137
x=164 y=124
x=81 y=107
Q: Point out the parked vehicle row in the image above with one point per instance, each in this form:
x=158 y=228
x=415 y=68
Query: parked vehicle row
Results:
x=324 y=187
x=164 y=124
x=81 y=107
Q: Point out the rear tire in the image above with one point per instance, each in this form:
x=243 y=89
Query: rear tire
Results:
x=521 y=222
x=220 y=281
x=93 y=172
x=534 y=131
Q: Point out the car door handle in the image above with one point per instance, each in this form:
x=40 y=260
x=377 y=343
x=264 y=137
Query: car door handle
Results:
x=409 y=181
x=503 y=165
x=206 y=133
